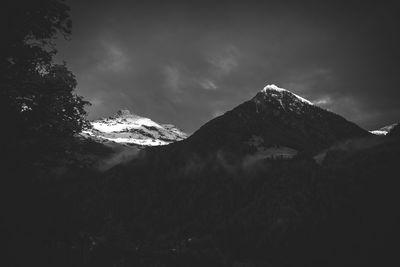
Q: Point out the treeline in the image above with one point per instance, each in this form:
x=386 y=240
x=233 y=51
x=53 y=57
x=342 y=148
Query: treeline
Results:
x=284 y=213
x=279 y=213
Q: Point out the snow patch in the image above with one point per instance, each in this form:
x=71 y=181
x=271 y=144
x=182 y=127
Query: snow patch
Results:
x=118 y=125
x=379 y=132
x=384 y=130
x=127 y=128
x=143 y=142
x=273 y=87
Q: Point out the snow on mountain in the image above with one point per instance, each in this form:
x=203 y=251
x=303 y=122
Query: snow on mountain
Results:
x=131 y=129
x=271 y=88
x=275 y=123
x=384 y=130
x=285 y=99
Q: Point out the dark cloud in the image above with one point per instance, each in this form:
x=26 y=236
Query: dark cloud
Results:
x=185 y=63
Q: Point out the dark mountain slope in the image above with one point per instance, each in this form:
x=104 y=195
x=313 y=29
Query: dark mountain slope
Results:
x=274 y=122
x=278 y=213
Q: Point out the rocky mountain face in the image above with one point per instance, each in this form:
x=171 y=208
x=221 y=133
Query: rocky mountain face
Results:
x=131 y=129
x=274 y=123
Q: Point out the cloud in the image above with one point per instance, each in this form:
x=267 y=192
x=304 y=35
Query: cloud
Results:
x=224 y=60
x=324 y=101
x=183 y=63
x=96 y=102
x=122 y=155
x=114 y=59
x=179 y=78
x=308 y=80
x=173 y=78
x=208 y=84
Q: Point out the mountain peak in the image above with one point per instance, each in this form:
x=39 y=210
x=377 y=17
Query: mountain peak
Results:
x=274 y=123
x=123 y=112
x=273 y=89
x=128 y=128
x=127 y=114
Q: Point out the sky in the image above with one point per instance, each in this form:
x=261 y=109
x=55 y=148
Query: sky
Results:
x=186 y=62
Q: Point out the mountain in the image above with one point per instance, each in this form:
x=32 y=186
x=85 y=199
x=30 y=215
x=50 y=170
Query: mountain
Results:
x=131 y=129
x=168 y=209
x=384 y=130
x=190 y=204
x=274 y=123
x=395 y=131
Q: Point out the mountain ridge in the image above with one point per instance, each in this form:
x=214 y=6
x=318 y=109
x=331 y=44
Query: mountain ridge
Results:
x=275 y=117
x=131 y=129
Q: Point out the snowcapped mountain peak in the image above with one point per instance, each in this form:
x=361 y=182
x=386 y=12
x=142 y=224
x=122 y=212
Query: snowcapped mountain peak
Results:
x=128 y=128
x=123 y=112
x=274 y=123
x=281 y=100
x=272 y=89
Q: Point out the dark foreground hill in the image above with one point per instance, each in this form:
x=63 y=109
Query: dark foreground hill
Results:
x=273 y=213
x=342 y=212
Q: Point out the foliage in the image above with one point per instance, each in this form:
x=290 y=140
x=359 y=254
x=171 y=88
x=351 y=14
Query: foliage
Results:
x=37 y=95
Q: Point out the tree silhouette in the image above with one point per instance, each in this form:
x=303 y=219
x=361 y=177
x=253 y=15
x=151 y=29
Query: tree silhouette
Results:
x=37 y=96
